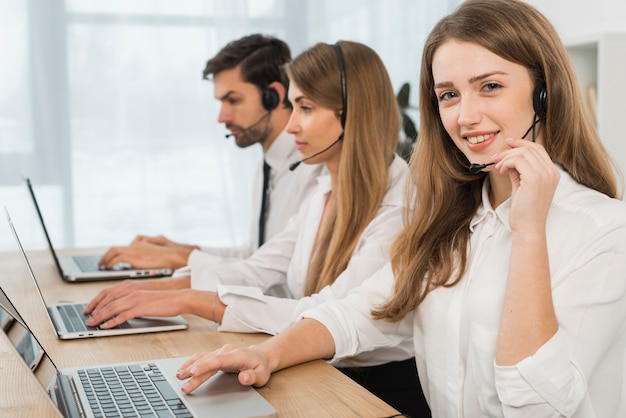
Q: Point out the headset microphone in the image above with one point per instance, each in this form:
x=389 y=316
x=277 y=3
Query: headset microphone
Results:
x=477 y=168
x=295 y=165
x=243 y=130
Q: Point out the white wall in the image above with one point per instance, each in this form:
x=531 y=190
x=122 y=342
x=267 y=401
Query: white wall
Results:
x=594 y=33
x=574 y=19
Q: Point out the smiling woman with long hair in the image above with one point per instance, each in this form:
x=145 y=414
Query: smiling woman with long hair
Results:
x=509 y=278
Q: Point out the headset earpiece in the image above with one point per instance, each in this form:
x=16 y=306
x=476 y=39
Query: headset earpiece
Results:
x=270 y=98
x=540 y=99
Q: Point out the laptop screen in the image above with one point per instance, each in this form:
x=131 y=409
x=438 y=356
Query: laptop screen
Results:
x=21 y=248
x=43 y=226
x=27 y=344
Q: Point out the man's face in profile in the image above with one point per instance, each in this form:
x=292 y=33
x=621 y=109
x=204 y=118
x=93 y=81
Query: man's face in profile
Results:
x=241 y=109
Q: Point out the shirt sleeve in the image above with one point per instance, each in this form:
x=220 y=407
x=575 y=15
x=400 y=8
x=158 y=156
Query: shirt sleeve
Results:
x=267 y=267
x=350 y=322
x=218 y=254
x=557 y=379
x=272 y=315
x=200 y=261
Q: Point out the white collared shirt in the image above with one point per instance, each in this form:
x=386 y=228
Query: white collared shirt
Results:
x=287 y=190
x=580 y=372
x=285 y=260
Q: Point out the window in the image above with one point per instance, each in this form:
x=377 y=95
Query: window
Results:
x=103 y=106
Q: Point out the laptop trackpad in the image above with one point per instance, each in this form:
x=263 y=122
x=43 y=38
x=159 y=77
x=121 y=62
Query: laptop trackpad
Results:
x=155 y=321
x=222 y=394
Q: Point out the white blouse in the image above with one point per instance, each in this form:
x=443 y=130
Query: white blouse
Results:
x=580 y=372
x=285 y=260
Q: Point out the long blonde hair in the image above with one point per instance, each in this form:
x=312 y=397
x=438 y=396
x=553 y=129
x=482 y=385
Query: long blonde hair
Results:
x=370 y=137
x=432 y=250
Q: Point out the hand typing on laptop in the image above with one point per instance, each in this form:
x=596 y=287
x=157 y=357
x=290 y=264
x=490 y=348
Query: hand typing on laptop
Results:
x=160 y=297
x=149 y=252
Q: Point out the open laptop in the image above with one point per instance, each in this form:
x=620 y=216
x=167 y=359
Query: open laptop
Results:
x=84 y=267
x=6 y=320
x=147 y=388
x=25 y=343
x=68 y=319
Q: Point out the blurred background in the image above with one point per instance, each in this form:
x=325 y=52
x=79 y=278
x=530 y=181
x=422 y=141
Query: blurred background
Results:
x=103 y=106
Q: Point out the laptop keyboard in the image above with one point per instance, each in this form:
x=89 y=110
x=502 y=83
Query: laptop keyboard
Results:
x=74 y=318
x=131 y=391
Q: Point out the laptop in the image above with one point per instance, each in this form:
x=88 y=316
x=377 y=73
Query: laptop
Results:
x=146 y=388
x=8 y=314
x=25 y=344
x=29 y=349
x=84 y=267
x=68 y=319
x=6 y=320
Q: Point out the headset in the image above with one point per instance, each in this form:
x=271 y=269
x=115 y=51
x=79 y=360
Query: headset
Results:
x=540 y=99
x=344 y=91
x=540 y=106
x=269 y=98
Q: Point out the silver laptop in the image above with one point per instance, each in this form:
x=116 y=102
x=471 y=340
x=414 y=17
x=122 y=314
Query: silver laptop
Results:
x=147 y=388
x=13 y=326
x=68 y=319
x=5 y=320
x=84 y=267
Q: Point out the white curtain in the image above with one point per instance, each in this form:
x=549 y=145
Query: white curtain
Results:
x=103 y=106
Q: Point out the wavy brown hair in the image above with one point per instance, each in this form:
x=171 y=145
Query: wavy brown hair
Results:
x=370 y=136
x=432 y=250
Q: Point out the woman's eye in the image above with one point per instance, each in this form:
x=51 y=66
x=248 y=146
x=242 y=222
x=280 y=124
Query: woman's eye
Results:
x=447 y=95
x=305 y=108
x=492 y=86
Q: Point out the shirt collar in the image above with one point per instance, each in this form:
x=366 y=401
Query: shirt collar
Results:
x=486 y=211
x=281 y=153
x=504 y=210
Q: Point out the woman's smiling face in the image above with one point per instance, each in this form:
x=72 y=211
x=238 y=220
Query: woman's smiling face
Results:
x=483 y=98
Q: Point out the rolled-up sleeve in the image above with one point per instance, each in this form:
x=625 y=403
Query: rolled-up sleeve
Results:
x=547 y=378
x=350 y=322
x=266 y=268
x=586 y=355
x=273 y=315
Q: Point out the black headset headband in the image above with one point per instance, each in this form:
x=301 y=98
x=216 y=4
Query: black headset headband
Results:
x=344 y=93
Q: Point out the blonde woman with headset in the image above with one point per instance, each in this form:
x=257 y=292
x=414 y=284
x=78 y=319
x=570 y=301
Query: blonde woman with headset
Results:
x=344 y=116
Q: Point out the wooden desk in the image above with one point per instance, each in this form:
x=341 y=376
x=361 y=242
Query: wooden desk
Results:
x=314 y=389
